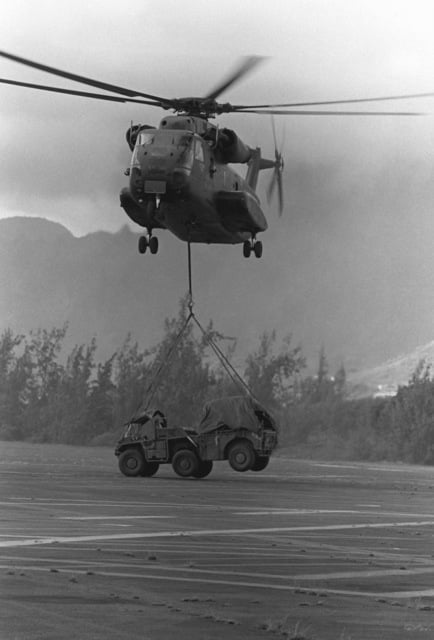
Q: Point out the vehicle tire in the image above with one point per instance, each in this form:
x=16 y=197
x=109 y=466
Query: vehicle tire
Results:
x=143 y=244
x=241 y=455
x=132 y=462
x=247 y=249
x=204 y=469
x=185 y=463
x=153 y=244
x=260 y=463
x=150 y=469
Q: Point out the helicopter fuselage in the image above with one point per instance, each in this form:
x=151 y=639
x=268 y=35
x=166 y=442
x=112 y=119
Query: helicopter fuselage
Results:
x=180 y=180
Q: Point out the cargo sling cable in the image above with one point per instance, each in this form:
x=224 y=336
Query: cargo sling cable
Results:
x=232 y=373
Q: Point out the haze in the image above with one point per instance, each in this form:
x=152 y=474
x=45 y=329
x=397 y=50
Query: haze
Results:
x=353 y=250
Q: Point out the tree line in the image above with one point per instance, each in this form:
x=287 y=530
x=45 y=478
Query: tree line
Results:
x=49 y=396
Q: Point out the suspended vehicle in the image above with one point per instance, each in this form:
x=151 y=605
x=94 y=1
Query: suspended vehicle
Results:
x=235 y=428
x=180 y=178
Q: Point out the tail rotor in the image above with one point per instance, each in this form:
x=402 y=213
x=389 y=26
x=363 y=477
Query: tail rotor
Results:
x=276 y=178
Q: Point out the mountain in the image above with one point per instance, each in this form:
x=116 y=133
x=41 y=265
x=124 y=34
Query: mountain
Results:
x=384 y=379
x=103 y=287
x=97 y=283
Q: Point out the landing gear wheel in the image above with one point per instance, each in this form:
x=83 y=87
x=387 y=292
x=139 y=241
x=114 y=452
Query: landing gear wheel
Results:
x=260 y=463
x=241 y=455
x=153 y=244
x=204 y=469
x=257 y=248
x=185 y=463
x=132 y=463
x=150 y=469
x=143 y=244
x=247 y=249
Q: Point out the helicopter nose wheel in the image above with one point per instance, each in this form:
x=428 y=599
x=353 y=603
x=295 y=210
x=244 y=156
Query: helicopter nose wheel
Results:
x=148 y=241
x=252 y=245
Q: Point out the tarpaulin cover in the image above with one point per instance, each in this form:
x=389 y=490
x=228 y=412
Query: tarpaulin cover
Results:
x=141 y=417
x=235 y=412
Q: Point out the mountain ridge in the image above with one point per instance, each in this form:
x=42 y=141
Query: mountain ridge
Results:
x=101 y=287
x=385 y=378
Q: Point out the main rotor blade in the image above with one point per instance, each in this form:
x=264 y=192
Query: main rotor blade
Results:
x=84 y=80
x=84 y=94
x=330 y=113
x=246 y=66
x=410 y=96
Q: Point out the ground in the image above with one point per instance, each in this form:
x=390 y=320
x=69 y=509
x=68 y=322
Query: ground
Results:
x=307 y=550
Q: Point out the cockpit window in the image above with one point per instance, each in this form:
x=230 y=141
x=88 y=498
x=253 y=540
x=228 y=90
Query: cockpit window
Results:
x=164 y=138
x=198 y=150
x=145 y=138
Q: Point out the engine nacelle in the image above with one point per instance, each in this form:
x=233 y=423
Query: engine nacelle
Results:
x=230 y=148
x=133 y=132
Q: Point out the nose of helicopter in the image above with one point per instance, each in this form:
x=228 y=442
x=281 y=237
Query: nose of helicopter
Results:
x=161 y=162
x=159 y=172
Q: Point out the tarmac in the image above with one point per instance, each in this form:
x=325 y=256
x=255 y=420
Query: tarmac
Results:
x=304 y=549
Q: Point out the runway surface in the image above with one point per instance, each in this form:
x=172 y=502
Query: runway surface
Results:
x=304 y=549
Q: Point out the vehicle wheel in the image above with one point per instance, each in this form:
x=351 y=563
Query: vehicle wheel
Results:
x=131 y=462
x=257 y=248
x=150 y=469
x=143 y=244
x=247 y=249
x=204 y=469
x=153 y=244
x=185 y=463
x=241 y=455
x=260 y=463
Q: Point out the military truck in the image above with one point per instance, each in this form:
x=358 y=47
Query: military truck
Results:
x=236 y=428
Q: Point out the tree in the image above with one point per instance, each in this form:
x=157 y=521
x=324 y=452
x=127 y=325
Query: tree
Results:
x=100 y=410
x=340 y=383
x=410 y=417
x=131 y=370
x=271 y=376
x=12 y=385
x=70 y=403
x=40 y=363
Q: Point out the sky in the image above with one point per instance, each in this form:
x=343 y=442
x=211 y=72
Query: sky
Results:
x=358 y=191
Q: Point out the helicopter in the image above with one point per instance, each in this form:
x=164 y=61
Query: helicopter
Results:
x=180 y=176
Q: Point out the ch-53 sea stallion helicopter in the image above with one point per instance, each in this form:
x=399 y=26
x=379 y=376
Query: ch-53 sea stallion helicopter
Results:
x=180 y=178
